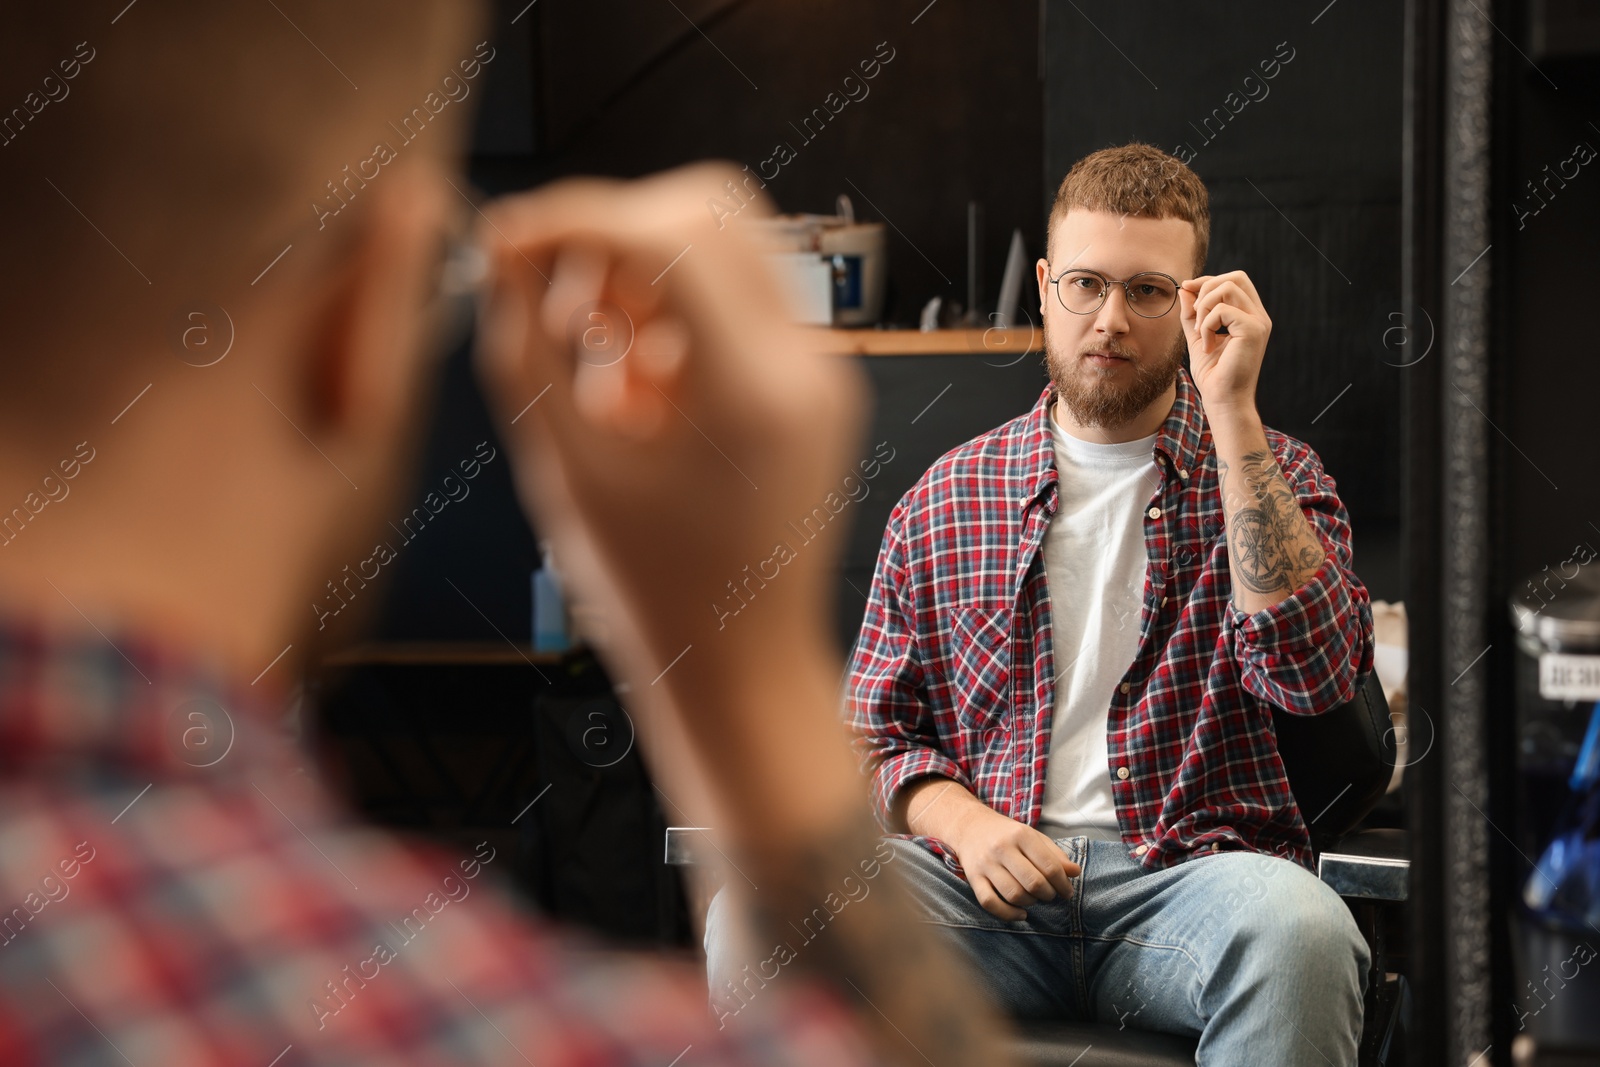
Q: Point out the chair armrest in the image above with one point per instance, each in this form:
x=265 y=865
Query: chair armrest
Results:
x=1368 y=865
x=687 y=846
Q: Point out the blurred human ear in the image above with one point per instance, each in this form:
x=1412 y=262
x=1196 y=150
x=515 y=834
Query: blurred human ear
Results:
x=372 y=338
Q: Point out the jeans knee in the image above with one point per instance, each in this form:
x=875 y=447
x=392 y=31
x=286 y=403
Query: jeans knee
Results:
x=1318 y=928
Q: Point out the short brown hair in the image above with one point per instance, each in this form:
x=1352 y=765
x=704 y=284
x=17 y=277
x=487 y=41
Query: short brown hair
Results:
x=1137 y=179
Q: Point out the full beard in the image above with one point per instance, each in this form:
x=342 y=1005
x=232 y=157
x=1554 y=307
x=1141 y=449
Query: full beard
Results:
x=1108 y=397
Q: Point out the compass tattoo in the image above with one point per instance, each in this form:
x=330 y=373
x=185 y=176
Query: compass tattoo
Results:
x=1271 y=547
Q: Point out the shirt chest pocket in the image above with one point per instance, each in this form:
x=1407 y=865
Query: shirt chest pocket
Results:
x=1185 y=565
x=980 y=661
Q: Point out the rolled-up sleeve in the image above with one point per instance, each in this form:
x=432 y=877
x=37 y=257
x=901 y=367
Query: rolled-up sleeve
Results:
x=886 y=703
x=1311 y=651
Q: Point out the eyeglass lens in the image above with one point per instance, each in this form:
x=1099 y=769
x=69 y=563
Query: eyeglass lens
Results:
x=1150 y=295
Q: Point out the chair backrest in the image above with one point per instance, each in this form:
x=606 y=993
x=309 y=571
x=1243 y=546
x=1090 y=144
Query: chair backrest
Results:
x=1338 y=763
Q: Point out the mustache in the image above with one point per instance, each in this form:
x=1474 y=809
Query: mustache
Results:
x=1115 y=348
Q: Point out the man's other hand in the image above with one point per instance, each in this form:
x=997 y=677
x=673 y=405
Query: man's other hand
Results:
x=1011 y=867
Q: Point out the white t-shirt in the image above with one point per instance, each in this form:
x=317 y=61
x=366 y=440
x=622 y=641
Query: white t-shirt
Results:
x=1095 y=564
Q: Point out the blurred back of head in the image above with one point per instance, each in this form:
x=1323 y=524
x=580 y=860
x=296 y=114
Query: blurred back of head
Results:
x=167 y=156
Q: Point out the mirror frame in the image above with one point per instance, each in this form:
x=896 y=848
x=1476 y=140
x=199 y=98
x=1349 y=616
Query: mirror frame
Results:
x=1449 y=538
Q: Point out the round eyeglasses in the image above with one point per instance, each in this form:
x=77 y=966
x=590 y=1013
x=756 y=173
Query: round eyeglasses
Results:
x=1082 y=292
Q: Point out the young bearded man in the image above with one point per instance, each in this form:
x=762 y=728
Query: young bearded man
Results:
x=223 y=274
x=1078 y=630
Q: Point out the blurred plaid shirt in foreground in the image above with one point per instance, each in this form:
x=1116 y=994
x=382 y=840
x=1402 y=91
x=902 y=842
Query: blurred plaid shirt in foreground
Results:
x=176 y=889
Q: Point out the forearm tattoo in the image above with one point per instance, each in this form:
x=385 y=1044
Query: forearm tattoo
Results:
x=1271 y=546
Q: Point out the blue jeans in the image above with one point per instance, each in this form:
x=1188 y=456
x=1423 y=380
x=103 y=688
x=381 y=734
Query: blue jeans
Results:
x=1250 y=953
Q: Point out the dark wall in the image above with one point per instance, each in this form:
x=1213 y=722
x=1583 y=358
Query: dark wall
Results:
x=954 y=116
x=1292 y=119
x=1550 y=375
x=626 y=89
x=959 y=113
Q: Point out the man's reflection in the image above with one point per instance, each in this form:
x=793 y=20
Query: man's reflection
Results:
x=1096 y=813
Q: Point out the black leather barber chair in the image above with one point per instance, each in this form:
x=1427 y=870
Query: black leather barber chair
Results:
x=1339 y=766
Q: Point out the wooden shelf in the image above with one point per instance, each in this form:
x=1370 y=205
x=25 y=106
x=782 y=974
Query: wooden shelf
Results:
x=445 y=653
x=991 y=343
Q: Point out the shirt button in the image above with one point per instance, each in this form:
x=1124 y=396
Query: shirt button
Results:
x=1154 y=513
x=1163 y=601
x=1122 y=773
x=1141 y=850
x=1125 y=687
x=1182 y=473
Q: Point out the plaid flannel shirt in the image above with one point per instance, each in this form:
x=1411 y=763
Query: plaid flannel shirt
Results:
x=953 y=673
x=176 y=889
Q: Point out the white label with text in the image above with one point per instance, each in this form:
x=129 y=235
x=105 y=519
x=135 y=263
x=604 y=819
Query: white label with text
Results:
x=1564 y=676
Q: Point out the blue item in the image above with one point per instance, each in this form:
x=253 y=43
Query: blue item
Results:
x=847 y=292
x=1565 y=884
x=549 y=612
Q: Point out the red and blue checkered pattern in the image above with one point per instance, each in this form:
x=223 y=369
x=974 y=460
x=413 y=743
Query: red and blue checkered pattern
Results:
x=954 y=671
x=170 y=898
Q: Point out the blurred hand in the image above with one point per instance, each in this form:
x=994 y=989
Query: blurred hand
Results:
x=660 y=475
x=661 y=472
